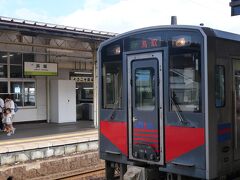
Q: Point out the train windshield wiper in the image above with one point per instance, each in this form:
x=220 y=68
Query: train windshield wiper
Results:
x=177 y=109
x=116 y=105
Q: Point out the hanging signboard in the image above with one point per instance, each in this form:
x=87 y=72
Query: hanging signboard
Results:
x=40 y=69
x=82 y=79
x=235 y=7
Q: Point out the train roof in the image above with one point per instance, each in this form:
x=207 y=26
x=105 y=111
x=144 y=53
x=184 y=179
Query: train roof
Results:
x=206 y=30
x=226 y=35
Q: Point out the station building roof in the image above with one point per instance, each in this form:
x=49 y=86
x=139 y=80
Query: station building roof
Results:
x=34 y=28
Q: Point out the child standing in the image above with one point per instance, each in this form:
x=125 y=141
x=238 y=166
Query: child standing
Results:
x=7 y=121
x=9 y=104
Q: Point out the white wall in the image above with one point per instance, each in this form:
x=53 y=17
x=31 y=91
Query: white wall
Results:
x=63 y=101
x=40 y=111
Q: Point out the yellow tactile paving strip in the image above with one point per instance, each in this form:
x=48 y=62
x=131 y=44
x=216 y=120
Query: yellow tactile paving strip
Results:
x=47 y=141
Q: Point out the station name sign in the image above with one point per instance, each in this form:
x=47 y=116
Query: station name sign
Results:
x=40 y=69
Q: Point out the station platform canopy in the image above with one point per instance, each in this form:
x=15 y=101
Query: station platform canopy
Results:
x=32 y=28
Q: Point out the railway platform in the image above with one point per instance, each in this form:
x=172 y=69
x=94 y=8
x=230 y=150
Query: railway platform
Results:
x=49 y=151
x=29 y=130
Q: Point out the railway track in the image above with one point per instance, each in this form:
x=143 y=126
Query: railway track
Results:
x=95 y=174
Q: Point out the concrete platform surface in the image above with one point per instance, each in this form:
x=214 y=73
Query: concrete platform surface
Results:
x=42 y=129
x=43 y=135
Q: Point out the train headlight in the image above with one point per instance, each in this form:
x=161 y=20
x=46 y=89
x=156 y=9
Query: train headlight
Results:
x=181 y=41
x=117 y=50
x=114 y=50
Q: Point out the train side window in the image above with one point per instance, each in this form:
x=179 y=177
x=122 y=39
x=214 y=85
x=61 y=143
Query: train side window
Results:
x=112 y=85
x=219 y=86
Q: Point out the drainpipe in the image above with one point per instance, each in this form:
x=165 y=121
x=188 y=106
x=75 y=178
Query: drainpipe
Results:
x=95 y=86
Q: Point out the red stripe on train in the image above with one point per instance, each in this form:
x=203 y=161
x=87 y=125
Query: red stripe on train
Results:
x=145 y=139
x=178 y=140
x=116 y=133
x=145 y=130
x=181 y=140
x=146 y=135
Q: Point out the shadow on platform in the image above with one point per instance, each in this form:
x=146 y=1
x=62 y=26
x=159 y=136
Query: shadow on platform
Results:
x=30 y=130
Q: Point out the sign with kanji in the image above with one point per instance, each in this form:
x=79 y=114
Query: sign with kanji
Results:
x=40 y=69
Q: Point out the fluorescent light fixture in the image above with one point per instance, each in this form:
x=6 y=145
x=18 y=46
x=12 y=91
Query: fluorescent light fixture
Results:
x=5 y=56
x=77 y=72
x=87 y=88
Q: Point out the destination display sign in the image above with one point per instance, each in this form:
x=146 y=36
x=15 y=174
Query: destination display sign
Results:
x=145 y=43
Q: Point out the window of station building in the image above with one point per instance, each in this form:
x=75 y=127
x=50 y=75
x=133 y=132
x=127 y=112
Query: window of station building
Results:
x=24 y=93
x=184 y=81
x=16 y=67
x=17 y=62
x=87 y=93
x=3 y=65
x=29 y=94
x=12 y=80
x=219 y=86
x=112 y=85
x=3 y=87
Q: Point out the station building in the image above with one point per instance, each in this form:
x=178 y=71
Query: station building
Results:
x=49 y=70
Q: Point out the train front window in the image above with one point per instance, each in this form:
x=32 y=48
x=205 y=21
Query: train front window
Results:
x=184 y=81
x=112 y=85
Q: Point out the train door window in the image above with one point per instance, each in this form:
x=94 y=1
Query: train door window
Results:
x=112 y=85
x=184 y=81
x=219 y=86
x=144 y=88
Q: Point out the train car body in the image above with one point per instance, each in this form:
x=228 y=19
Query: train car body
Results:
x=169 y=98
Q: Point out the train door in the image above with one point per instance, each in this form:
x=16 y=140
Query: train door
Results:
x=145 y=107
x=236 y=100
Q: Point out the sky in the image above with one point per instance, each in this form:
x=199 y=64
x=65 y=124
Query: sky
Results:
x=119 y=16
